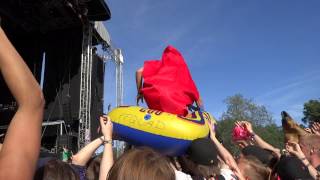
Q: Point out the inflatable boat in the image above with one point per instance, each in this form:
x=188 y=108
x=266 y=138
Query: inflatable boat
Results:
x=168 y=133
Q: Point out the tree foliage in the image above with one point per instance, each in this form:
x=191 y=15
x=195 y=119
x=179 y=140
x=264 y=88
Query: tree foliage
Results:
x=240 y=108
x=311 y=111
x=224 y=131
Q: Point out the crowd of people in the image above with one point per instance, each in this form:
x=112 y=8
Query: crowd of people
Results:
x=206 y=158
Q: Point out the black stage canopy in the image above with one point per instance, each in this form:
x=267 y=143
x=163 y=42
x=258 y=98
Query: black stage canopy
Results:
x=49 y=15
x=52 y=28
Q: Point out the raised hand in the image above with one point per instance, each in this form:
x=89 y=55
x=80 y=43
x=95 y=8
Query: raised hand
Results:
x=248 y=126
x=212 y=129
x=308 y=130
x=294 y=149
x=106 y=127
x=315 y=128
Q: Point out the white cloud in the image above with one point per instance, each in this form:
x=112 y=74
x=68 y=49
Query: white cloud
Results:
x=290 y=89
x=291 y=96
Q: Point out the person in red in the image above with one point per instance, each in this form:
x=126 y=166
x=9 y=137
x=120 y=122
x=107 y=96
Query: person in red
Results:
x=167 y=84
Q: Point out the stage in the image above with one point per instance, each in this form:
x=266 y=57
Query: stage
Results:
x=56 y=38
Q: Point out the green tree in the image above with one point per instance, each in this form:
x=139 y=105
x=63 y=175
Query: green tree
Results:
x=224 y=132
x=270 y=133
x=311 y=111
x=240 y=108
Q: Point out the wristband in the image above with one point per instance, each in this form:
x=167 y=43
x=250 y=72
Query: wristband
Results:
x=304 y=158
x=252 y=134
x=104 y=141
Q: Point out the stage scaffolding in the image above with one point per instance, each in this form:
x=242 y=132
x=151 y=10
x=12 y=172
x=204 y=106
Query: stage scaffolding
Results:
x=55 y=28
x=85 y=87
x=112 y=54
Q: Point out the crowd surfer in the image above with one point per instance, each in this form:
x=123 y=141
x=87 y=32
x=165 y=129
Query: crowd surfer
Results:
x=205 y=159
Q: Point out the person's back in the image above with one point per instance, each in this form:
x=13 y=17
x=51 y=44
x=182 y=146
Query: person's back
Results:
x=167 y=84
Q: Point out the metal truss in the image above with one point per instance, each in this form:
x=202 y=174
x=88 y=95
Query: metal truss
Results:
x=85 y=86
x=119 y=76
x=115 y=55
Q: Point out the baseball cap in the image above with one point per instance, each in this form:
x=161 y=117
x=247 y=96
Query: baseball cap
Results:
x=203 y=151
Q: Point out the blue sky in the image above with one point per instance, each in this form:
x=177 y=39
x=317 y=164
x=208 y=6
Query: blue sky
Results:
x=268 y=50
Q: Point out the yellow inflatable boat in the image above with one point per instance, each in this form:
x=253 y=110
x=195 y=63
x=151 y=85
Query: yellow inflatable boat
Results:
x=170 y=134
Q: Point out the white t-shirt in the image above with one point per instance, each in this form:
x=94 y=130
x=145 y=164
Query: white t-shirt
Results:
x=228 y=174
x=182 y=176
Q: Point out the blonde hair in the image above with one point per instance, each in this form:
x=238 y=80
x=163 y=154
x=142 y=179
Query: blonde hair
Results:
x=141 y=164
